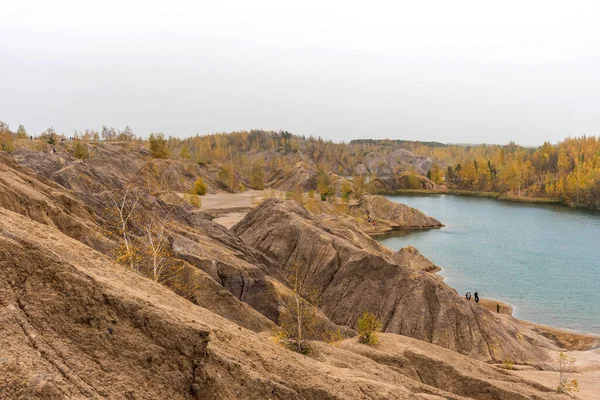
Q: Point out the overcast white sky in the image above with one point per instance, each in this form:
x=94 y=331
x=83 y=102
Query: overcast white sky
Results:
x=450 y=71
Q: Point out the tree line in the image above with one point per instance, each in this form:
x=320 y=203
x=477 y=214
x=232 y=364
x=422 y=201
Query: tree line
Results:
x=568 y=171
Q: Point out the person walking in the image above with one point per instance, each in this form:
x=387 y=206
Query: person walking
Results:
x=476 y=297
x=498 y=308
x=468 y=296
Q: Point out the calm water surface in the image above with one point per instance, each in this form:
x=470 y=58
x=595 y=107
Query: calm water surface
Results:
x=542 y=259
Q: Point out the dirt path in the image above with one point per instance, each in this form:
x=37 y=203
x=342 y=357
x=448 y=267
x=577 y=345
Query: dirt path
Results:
x=249 y=198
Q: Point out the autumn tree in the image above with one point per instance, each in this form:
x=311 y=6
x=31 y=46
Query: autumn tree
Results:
x=359 y=186
x=80 y=150
x=185 y=152
x=436 y=174
x=158 y=146
x=346 y=189
x=565 y=366
x=50 y=136
x=298 y=315
x=157 y=247
x=368 y=327
x=199 y=187
x=226 y=177
x=6 y=137
x=120 y=212
x=323 y=183
x=21 y=132
x=108 y=133
x=126 y=134
x=257 y=175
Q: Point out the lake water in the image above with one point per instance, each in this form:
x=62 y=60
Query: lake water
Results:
x=542 y=259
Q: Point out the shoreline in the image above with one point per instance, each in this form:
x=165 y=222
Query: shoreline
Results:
x=490 y=195
x=569 y=340
x=564 y=338
x=230 y=206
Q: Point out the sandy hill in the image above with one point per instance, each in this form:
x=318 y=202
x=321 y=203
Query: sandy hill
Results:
x=73 y=324
x=353 y=276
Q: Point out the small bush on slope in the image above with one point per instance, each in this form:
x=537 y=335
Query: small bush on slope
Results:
x=368 y=325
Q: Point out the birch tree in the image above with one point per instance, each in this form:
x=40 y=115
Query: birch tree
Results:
x=158 y=247
x=298 y=314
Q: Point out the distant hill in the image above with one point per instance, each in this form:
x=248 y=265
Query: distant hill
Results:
x=401 y=142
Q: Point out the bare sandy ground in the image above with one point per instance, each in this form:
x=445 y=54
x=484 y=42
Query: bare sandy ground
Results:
x=588 y=361
x=231 y=204
x=249 y=198
x=588 y=377
x=230 y=219
x=489 y=304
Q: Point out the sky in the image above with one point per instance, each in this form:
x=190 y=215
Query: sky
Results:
x=450 y=71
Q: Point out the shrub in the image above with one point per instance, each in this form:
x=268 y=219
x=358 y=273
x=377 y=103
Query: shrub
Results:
x=346 y=189
x=311 y=193
x=226 y=177
x=185 y=152
x=50 y=136
x=508 y=364
x=359 y=186
x=367 y=326
x=412 y=182
x=6 y=141
x=21 y=132
x=80 y=150
x=200 y=187
x=334 y=337
x=158 y=146
x=193 y=199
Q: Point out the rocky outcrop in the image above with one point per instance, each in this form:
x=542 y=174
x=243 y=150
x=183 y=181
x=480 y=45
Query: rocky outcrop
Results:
x=393 y=215
x=352 y=279
x=74 y=325
x=407 y=180
x=300 y=175
x=242 y=272
x=48 y=203
x=394 y=163
x=411 y=257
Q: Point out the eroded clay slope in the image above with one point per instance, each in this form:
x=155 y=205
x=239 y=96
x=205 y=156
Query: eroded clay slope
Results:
x=74 y=325
x=353 y=278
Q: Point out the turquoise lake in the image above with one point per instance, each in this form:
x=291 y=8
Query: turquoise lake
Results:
x=542 y=259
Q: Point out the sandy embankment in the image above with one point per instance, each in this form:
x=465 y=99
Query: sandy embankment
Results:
x=588 y=375
x=584 y=348
x=232 y=207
